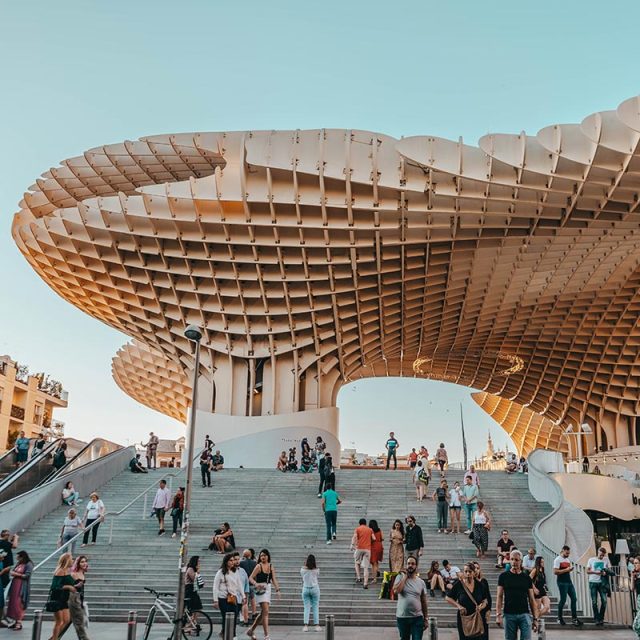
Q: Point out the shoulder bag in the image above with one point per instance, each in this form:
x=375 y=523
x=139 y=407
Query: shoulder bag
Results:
x=472 y=625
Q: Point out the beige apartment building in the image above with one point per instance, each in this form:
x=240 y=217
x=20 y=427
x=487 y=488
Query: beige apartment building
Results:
x=27 y=402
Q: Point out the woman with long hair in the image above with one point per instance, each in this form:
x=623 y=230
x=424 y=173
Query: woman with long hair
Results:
x=262 y=577
x=434 y=579
x=481 y=527
x=18 y=598
x=468 y=595
x=76 y=598
x=480 y=577
x=377 y=549
x=455 y=507
x=396 y=547
x=228 y=590
x=540 y=589
x=310 y=592
x=192 y=584
x=61 y=588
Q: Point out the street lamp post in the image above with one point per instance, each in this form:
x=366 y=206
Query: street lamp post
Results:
x=194 y=334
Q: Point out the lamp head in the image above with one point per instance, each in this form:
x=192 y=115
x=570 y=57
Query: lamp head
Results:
x=194 y=333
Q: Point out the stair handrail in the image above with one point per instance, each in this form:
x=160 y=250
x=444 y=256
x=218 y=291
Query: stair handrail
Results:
x=550 y=531
x=117 y=514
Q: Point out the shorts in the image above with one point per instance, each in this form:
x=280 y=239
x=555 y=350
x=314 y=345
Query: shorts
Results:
x=413 y=465
x=159 y=513
x=458 y=508
x=441 y=464
x=22 y=455
x=362 y=557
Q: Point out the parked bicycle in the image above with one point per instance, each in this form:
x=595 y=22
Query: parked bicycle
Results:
x=195 y=624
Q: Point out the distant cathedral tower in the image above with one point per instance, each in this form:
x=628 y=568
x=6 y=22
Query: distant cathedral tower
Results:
x=490 y=449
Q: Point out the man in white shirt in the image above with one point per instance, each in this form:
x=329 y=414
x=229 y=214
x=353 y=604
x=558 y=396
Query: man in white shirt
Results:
x=562 y=568
x=529 y=561
x=161 y=504
x=450 y=573
x=597 y=568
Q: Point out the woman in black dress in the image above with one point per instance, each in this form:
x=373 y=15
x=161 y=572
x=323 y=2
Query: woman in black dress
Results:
x=540 y=590
x=459 y=597
x=61 y=586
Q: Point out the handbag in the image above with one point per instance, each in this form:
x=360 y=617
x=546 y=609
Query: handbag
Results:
x=231 y=597
x=472 y=624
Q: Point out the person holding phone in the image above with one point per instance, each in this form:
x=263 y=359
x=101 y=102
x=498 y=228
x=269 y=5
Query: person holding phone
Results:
x=412 y=613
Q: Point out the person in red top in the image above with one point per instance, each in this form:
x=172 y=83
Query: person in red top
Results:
x=413 y=458
x=361 y=545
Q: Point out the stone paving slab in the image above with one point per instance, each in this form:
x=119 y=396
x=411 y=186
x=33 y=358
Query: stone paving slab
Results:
x=113 y=631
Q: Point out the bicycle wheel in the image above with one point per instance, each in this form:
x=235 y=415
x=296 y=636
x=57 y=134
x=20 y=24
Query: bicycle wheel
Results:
x=149 y=623
x=202 y=627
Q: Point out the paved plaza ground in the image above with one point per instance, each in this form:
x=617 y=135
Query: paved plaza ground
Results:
x=109 y=631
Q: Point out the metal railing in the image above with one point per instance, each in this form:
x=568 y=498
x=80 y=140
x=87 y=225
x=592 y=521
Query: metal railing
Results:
x=21 y=512
x=553 y=531
x=116 y=514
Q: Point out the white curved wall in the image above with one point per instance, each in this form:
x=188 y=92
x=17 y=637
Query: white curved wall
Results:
x=256 y=442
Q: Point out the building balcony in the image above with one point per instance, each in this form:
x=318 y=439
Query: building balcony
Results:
x=17 y=412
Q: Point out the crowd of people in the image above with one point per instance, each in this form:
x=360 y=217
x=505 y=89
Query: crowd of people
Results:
x=246 y=583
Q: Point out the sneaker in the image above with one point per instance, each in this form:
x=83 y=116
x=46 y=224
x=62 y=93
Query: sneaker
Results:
x=328 y=541
x=319 y=495
x=366 y=586
x=561 y=622
x=576 y=622
x=444 y=595
x=431 y=593
x=318 y=628
x=334 y=536
x=173 y=535
x=160 y=532
x=305 y=628
x=467 y=532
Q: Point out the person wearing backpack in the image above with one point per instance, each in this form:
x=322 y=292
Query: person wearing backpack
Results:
x=421 y=477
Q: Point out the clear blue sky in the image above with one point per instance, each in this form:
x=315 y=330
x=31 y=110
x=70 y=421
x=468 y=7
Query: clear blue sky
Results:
x=77 y=74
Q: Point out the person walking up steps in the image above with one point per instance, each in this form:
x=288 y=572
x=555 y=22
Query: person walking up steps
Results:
x=392 y=449
x=377 y=549
x=361 y=546
x=442 y=458
x=325 y=468
x=330 y=502
x=562 y=568
x=161 y=504
x=310 y=592
x=206 y=459
x=441 y=498
x=412 y=613
x=470 y=496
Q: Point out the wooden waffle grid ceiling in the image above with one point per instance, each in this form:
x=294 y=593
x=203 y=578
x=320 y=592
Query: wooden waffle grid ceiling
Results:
x=347 y=254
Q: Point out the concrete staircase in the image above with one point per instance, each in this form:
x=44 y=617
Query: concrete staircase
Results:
x=280 y=512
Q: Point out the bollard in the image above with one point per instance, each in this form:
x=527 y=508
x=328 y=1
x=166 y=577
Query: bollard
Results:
x=37 y=625
x=229 y=619
x=542 y=629
x=132 y=623
x=433 y=628
x=330 y=623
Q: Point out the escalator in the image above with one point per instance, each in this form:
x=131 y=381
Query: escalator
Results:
x=8 y=461
x=40 y=469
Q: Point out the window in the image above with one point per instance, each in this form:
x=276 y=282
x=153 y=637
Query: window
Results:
x=37 y=414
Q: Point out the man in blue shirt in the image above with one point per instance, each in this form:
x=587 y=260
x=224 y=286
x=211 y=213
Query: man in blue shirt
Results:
x=330 y=502
x=392 y=448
